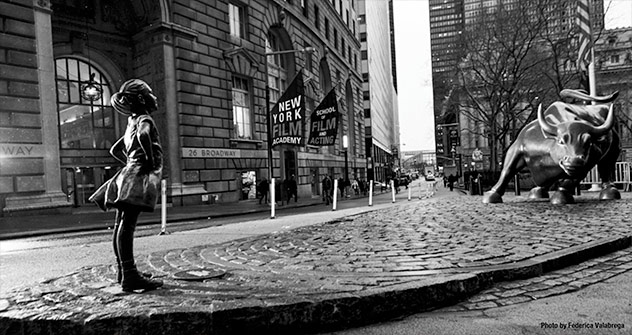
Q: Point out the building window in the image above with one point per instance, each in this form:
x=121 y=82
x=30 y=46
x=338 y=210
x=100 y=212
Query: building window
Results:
x=317 y=17
x=336 y=38
x=347 y=16
x=277 y=70
x=614 y=59
x=83 y=124
x=237 y=20
x=342 y=42
x=305 y=8
x=327 y=28
x=242 y=118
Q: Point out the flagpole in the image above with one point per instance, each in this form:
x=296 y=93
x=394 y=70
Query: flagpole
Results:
x=308 y=50
x=592 y=83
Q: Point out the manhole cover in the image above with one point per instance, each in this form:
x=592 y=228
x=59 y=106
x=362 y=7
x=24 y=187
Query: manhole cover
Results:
x=199 y=274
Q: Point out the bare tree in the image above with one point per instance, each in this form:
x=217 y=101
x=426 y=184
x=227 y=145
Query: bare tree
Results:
x=501 y=76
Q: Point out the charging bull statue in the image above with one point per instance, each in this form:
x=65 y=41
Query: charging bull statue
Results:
x=561 y=147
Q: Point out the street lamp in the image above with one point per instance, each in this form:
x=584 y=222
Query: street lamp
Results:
x=268 y=117
x=345 y=145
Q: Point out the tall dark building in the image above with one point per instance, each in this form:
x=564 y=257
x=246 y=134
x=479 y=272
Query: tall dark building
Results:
x=446 y=26
x=448 y=20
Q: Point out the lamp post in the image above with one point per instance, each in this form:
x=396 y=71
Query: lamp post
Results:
x=345 y=144
x=268 y=117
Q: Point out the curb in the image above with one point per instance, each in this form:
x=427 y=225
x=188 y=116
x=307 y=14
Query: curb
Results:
x=141 y=222
x=335 y=312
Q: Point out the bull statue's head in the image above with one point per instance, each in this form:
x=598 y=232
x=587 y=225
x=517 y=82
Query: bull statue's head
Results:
x=575 y=142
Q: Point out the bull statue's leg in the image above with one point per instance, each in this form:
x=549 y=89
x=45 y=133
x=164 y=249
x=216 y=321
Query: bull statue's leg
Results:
x=606 y=168
x=539 y=192
x=564 y=193
x=514 y=162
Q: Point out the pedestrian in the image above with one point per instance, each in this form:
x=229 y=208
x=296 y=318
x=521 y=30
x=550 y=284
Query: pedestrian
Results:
x=263 y=188
x=341 y=187
x=292 y=189
x=363 y=186
x=355 y=186
x=451 y=182
x=134 y=188
x=327 y=189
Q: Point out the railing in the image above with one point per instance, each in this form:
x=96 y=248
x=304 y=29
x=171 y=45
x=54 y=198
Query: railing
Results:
x=621 y=176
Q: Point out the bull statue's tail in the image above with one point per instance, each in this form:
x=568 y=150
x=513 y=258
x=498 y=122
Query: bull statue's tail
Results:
x=582 y=95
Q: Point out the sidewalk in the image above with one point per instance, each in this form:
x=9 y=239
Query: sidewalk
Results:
x=92 y=218
x=342 y=272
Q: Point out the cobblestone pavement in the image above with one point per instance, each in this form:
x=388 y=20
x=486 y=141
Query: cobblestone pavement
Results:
x=568 y=279
x=364 y=268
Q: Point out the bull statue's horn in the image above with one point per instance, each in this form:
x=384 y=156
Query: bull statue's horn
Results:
x=547 y=128
x=605 y=127
x=582 y=95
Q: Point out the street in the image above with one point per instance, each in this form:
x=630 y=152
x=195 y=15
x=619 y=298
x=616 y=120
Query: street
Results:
x=31 y=260
x=479 y=268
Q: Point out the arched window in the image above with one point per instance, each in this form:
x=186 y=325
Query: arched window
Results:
x=277 y=70
x=83 y=124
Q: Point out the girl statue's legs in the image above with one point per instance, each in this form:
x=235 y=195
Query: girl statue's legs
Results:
x=119 y=268
x=131 y=279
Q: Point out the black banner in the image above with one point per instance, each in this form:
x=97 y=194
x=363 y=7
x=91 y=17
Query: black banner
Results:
x=324 y=123
x=288 y=114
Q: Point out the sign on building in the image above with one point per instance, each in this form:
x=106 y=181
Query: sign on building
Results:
x=288 y=114
x=324 y=121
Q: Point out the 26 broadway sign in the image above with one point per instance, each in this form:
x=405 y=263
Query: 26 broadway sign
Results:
x=324 y=124
x=288 y=114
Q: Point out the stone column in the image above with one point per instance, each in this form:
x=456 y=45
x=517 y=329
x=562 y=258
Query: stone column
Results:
x=160 y=42
x=52 y=198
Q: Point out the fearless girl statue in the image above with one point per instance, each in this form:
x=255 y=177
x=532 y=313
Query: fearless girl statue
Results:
x=133 y=189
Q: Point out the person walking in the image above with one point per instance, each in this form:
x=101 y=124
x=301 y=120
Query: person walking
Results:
x=341 y=187
x=292 y=189
x=451 y=182
x=327 y=189
x=355 y=186
x=262 y=188
x=134 y=188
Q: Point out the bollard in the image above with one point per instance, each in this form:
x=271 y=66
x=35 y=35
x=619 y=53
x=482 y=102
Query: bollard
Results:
x=419 y=185
x=335 y=194
x=272 y=199
x=409 y=191
x=370 y=193
x=163 y=207
x=393 y=189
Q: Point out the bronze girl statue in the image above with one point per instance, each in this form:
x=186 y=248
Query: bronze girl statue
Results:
x=135 y=187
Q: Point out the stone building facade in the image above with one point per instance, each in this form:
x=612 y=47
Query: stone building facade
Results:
x=207 y=63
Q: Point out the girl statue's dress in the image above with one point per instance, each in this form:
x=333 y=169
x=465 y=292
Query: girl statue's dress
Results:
x=134 y=189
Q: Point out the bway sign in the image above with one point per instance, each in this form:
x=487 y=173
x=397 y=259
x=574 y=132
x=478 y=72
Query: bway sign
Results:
x=288 y=114
x=324 y=124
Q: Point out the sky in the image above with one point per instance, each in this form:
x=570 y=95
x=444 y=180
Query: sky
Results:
x=414 y=72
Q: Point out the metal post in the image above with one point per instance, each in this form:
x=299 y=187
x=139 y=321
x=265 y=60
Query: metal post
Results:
x=410 y=188
x=346 y=167
x=163 y=207
x=393 y=189
x=370 y=193
x=269 y=120
x=335 y=194
x=272 y=198
x=516 y=184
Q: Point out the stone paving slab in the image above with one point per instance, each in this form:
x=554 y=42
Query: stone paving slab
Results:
x=364 y=268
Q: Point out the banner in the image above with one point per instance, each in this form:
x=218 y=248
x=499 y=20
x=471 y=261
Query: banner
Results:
x=324 y=124
x=288 y=114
